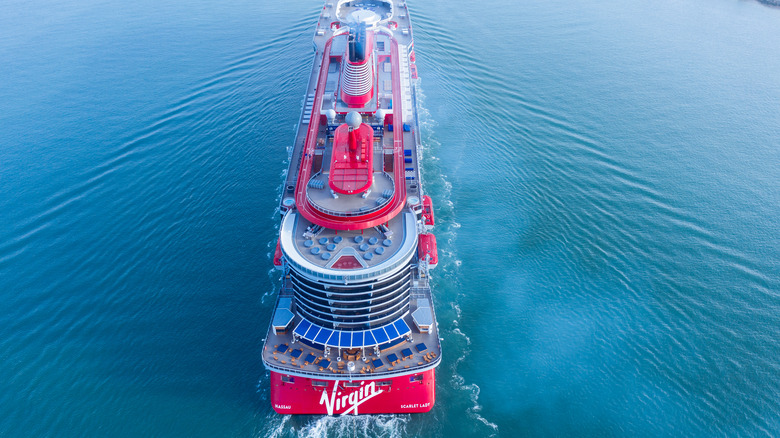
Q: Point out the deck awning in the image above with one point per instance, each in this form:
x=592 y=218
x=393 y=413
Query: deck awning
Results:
x=283 y=316
x=423 y=316
x=351 y=339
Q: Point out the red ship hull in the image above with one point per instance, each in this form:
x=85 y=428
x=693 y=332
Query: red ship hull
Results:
x=412 y=393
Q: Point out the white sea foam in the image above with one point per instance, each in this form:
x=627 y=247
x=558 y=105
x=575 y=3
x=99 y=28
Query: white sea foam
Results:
x=465 y=337
x=277 y=430
x=449 y=235
x=384 y=426
x=476 y=408
x=456 y=306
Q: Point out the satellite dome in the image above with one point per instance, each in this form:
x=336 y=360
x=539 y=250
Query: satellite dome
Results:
x=330 y=114
x=354 y=120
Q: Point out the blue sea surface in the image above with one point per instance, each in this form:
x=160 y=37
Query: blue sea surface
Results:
x=605 y=175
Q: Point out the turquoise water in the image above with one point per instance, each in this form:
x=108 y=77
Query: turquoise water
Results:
x=605 y=177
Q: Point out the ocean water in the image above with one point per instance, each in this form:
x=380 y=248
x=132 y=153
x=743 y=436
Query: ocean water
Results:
x=605 y=174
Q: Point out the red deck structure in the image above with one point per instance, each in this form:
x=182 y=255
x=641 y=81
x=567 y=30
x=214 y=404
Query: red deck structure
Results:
x=427 y=248
x=352 y=162
x=397 y=202
x=278 y=253
x=427 y=213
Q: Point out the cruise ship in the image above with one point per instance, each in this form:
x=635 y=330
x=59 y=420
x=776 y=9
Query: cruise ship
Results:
x=354 y=330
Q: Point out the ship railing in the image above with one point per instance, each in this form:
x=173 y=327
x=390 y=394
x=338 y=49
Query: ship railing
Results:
x=356 y=375
x=420 y=292
x=353 y=213
x=353 y=279
x=421 y=278
x=400 y=260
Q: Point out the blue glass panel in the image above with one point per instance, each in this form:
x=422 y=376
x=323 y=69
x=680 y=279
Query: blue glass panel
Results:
x=369 y=339
x=323 y=336
x=380 y=335
x=345 y=339
x=357 y=339
x=391 y=331
x=312 y=332
x=302 y=327
x=334 y=339
x=402 y=327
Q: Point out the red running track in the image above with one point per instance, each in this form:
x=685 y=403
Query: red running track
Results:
x=397 y=202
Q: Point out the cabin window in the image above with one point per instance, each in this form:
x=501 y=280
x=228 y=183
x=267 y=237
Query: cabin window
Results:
x=380 y=45
x=385 y=383
x=352 y=384
x=319 y=383
x=288 y=379
x=418 y=378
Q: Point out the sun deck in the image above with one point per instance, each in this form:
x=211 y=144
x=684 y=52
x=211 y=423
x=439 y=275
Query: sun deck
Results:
x=323 y=247
x=415 y=351
x=392 y=49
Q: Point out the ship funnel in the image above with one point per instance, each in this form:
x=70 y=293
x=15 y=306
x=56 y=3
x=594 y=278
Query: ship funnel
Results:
x=353 y=120
x=357 y=77
x=357 y=43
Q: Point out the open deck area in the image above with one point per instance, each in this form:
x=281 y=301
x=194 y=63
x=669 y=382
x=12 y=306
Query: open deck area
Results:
x=414 y=352
x=369 y=247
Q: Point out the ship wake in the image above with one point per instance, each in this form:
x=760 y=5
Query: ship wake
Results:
x=449 y=291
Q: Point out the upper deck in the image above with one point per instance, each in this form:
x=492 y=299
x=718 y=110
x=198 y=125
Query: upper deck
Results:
x=388 y=112
x=300 y=351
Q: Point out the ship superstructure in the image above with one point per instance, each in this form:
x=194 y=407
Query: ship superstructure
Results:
x=354 y=329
